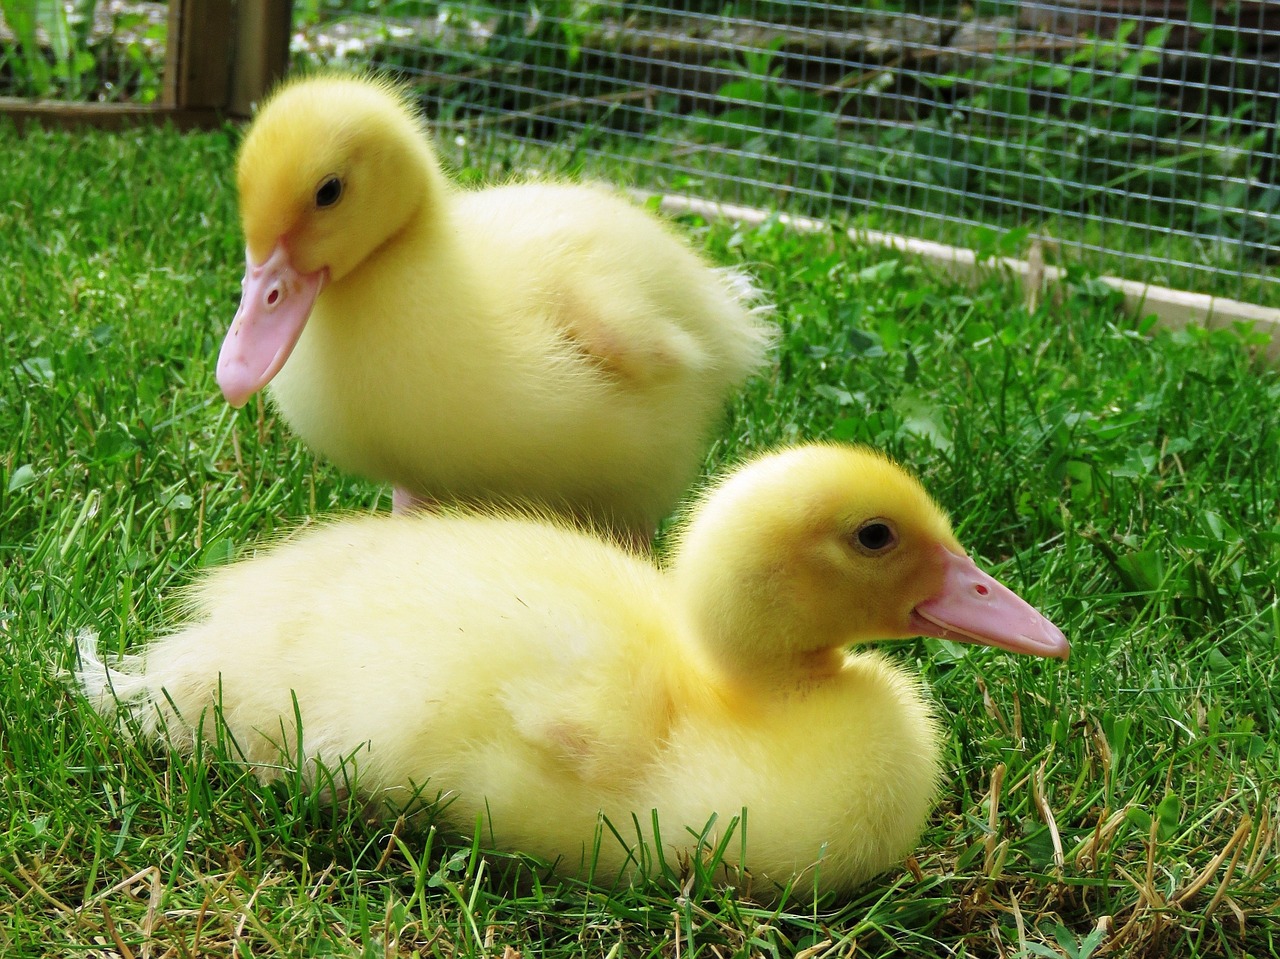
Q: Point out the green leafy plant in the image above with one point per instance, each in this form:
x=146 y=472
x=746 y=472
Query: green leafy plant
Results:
x=55 y=54
x=45 y=25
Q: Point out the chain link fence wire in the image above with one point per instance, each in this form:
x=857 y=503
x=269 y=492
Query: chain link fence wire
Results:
x=1136 y=137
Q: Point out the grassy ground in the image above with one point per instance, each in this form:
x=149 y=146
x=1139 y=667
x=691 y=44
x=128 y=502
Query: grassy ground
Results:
x=1124 y=480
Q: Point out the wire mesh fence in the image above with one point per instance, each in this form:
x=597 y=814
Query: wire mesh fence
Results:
x=1135 y=136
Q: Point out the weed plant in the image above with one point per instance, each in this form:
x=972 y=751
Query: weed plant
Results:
x=1122 y=478
x=51 y=49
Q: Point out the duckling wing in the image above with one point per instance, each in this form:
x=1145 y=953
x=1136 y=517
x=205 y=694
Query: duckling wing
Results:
x=625 y=291
x=603 y=723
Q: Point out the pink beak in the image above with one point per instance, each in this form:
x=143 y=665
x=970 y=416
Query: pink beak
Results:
x=973 y=607
x=274 y=307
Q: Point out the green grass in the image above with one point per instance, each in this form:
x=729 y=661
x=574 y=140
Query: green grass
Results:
x=1124 y=479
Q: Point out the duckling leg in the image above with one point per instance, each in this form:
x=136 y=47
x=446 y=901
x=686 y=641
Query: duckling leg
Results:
x=406 y=501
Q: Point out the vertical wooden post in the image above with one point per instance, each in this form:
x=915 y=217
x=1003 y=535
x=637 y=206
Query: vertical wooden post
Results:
x=261 y=51
x=228 y=53
x=206 y=32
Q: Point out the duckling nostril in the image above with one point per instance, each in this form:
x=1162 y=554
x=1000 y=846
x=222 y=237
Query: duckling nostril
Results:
x=273 y=296
x=982 y=590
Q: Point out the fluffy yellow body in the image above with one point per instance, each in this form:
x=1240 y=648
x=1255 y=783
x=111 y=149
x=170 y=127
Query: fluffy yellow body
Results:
x=544 y=680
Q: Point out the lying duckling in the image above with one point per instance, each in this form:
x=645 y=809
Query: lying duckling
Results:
x=538 y=343
x=545 y=680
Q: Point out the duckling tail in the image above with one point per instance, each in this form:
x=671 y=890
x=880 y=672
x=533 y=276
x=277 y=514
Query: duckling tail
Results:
x=106 y=687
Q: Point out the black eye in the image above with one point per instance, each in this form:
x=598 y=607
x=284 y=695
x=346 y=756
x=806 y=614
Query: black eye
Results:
x=875 y=536
x=330 y=192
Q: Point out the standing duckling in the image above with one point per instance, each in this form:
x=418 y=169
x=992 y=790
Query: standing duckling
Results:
x=562 y=688
x=546 y=344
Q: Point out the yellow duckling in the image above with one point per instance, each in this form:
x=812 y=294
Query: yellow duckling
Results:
x=548 y=344
x=547 y=681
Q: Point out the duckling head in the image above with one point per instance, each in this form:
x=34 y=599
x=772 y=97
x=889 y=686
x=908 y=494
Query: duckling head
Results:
x=331 y=167
x=802 y=552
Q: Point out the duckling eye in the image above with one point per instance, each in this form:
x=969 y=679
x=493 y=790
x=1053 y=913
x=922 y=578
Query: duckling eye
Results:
x=329 y=193
x=875 y=536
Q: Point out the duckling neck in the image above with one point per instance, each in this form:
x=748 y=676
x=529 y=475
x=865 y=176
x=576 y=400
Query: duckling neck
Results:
x=755 y=659
x=750 y=631
x=427 y=200
x=421 y=231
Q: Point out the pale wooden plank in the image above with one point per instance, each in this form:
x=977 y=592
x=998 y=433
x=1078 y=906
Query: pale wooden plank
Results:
x=1173 y=309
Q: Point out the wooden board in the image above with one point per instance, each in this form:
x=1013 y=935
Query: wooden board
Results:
x=109 y=116
x=1173 y=309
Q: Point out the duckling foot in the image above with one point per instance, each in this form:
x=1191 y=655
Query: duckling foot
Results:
x=407 y=501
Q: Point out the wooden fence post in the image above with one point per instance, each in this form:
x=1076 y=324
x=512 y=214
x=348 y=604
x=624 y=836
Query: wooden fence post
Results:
x=202 y=54
x=227 y=53
x=261 y=51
